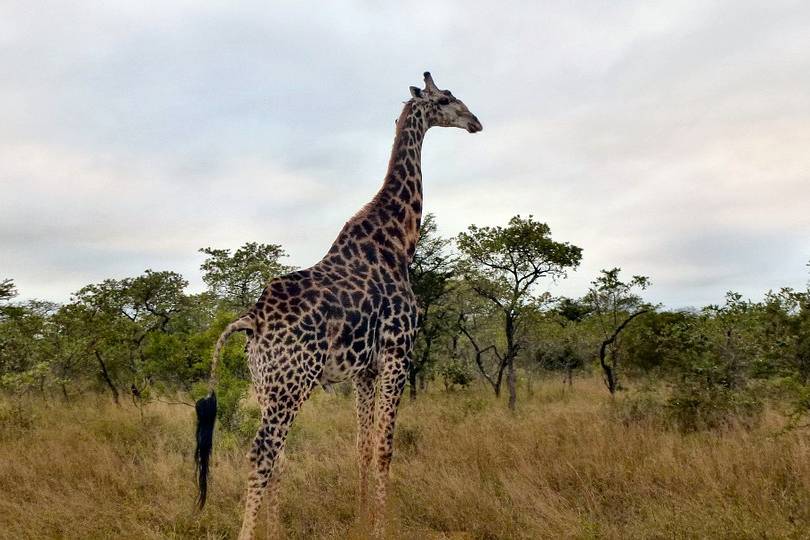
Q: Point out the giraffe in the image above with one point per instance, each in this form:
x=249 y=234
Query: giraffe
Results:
x=351 y=316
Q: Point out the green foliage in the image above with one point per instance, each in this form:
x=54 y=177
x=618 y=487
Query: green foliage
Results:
x=455 y=373
x=562 y=339
x=431 y=272
x=713 y=365
x=7 y=292
x=128 y=327
x=504 y=263
x=239 y=278
x=232 y=371
x=699 y=401
x=33 y=355
x=24 y=381
x=559 y=357
x=653 y=340
x=785 y=322
x=483 y=310
x=609 y=296
x=571 y=311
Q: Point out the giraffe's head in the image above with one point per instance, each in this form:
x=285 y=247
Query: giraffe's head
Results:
x=442 y=108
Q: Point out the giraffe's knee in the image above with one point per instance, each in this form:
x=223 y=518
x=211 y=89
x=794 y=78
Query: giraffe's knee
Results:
x=264 y=461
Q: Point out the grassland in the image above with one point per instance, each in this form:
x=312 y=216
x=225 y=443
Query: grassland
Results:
x=568 y=464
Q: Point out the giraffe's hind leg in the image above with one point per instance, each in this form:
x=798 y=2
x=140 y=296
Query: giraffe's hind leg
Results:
x=365 y=394
x=392 y=382
x=271 y=504
x=265 y=456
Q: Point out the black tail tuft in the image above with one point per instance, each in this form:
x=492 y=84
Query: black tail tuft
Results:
x=206 y=415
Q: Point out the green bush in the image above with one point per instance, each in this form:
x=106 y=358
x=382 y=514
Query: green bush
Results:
x=246 y=420
x=697 y=404
x=454 y=374
x=230 y=391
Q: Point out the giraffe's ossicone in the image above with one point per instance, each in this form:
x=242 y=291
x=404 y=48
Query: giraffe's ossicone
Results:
x=352 y=315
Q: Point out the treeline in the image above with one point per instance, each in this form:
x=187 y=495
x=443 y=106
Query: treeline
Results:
x=486 y=315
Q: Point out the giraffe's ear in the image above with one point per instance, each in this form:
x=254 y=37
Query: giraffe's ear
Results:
x=415 y=92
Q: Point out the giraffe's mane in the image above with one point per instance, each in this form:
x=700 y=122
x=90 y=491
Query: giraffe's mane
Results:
x=369 y=206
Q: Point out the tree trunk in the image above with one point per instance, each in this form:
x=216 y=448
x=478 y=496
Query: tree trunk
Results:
x=412 y=382
x=511 y=354
x=611 y=379
x=610 y=375
x=106 y=376
x=479 y=352
x=511 y=382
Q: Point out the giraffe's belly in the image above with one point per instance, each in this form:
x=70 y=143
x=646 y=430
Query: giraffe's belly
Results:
x=345 y=366
x=332 y=373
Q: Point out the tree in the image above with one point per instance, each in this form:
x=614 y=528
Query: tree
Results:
x=568 y=313
x=786 y=327
x=714 y=353
x=26 y=351
x=124 y=318
x=84 y=338
x=615 y=304
x=430 y=274
x=7 y=290
x=503 y=266
x=654 y=342
x=239 y=278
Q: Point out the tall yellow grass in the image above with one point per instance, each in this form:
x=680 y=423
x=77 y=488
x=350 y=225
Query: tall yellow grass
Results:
x=464 y=467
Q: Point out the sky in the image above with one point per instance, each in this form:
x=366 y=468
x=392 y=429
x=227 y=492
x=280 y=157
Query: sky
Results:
x=671 y=139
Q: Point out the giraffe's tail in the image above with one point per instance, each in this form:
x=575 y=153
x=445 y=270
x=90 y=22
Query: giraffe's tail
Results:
x=207 y=408
x=245 y=323
x=206 y=415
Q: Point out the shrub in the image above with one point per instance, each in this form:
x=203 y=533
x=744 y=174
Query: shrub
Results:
x=230 y=392
x=700 y=403
x=455 y=373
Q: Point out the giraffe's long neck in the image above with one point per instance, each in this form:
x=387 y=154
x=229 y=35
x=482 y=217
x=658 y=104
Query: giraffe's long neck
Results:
x=387 y=228
x=399 y=201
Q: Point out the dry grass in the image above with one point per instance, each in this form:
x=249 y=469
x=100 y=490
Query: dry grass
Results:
x=562 y=467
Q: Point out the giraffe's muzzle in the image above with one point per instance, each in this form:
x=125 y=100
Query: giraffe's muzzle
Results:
x=474 y=125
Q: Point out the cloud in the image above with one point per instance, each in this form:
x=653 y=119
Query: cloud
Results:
x=669 y=139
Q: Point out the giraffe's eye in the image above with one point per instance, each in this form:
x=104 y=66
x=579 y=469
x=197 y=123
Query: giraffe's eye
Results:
x=444 y=101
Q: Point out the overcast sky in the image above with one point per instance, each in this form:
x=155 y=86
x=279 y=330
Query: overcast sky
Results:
x=672 y=140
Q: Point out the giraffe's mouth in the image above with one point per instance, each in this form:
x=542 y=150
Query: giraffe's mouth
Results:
x=474 y=126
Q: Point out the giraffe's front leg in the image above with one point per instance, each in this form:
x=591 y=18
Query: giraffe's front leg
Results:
x=365 y=394
x=392 y=381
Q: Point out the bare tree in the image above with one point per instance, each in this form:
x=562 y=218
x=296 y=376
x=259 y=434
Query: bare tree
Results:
x=615 y=304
